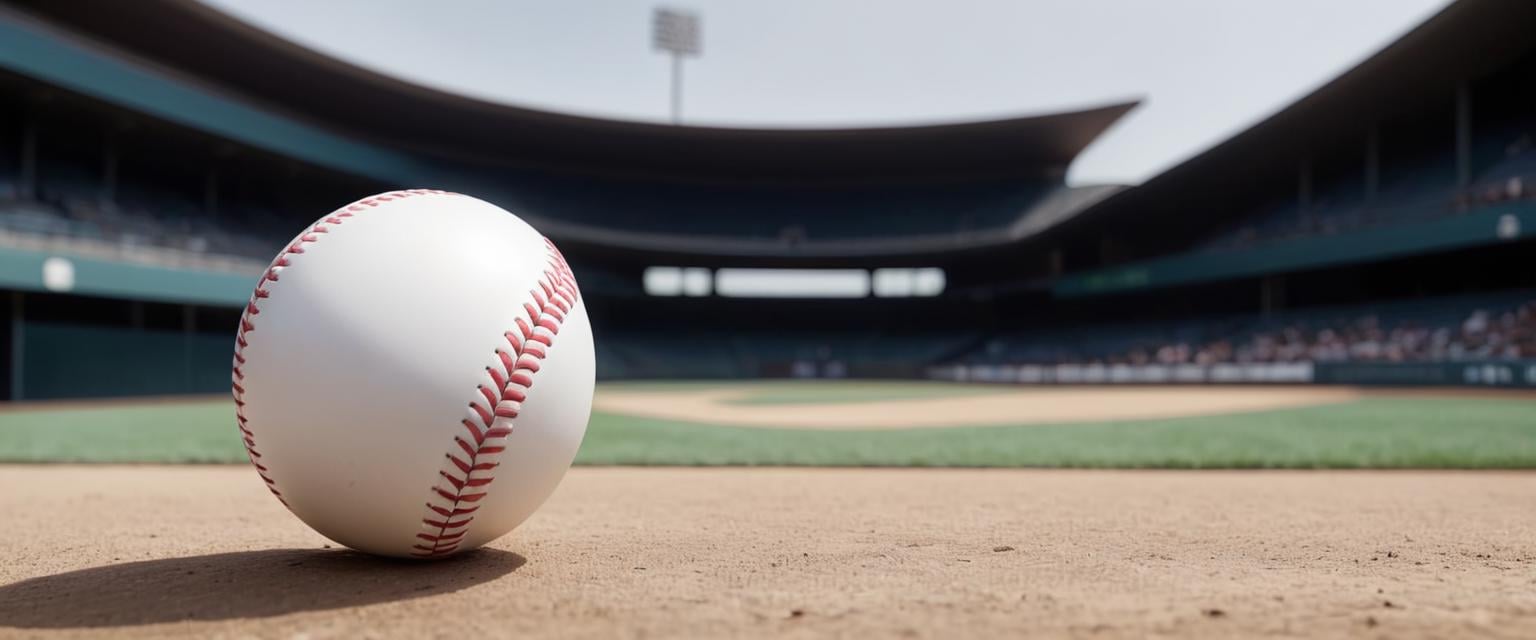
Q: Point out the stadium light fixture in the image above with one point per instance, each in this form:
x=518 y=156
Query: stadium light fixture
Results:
x=663 y=281
x=792 y=283
x=697 y=282
x=893 y=283
x=678 y=33
x=928 y=282
x=907 y=283
x=677 y=281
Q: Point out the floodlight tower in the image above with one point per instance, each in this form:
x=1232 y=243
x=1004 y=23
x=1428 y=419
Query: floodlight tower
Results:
x=676 y=32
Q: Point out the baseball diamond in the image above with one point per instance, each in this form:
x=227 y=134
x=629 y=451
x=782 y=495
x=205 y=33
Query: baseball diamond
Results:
x=1218 y=324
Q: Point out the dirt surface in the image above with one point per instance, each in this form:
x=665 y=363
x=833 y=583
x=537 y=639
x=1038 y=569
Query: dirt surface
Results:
x=1036 y=405
x=205 y=552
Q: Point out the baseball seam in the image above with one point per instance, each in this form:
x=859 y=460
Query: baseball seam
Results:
x=469 y=465
x=264 y=290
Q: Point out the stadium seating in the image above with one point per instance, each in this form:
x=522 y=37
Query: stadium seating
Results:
x=68 y=201
x=744 y=354
x=1418 y=193
x=1490 y=326
x=1416 y=187
x=1511 y=170
x=144 y=221
x=788 y=213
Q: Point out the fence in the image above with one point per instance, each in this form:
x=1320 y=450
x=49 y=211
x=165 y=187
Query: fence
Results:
x=79 y=361
x=1490 y=373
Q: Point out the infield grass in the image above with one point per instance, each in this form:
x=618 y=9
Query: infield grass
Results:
x=1380 y=432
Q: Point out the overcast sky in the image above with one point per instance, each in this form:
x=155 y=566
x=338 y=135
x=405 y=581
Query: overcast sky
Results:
x=1203 y=68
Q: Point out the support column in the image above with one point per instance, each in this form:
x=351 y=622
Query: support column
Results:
x=109 y=171
x=677 y=88
x=1463 y=135
x=188 y=333
x=18 y=336
x=211 y=193
x=1271 y=295
x=1372 y=162
x=26 y=181
x=1304 y=187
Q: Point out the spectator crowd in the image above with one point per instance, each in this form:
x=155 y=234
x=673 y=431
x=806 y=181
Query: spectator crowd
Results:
x=1481 y=332
x=1484 y=335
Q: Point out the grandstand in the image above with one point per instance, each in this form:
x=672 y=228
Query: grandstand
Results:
x=1500 y=326
x=143 y=183
x=164 y=178
x=790 y=214
x=81 y=177
x=1376 y=219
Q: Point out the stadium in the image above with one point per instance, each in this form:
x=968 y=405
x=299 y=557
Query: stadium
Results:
x=153 y=173
x=1345 y=284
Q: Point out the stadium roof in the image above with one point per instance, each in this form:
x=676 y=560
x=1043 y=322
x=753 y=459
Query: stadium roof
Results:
x=253 y=62
x=1420 y=71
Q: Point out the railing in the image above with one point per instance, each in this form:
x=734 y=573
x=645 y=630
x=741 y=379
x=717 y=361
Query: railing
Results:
x=1470 y=373
x=134 y=254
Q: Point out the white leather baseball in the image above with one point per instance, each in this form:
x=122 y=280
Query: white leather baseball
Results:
x=414 y=373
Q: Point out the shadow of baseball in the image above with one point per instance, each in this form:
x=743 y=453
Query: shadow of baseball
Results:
x=249 y=584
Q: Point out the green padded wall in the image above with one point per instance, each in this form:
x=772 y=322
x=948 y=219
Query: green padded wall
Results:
x=80 y=361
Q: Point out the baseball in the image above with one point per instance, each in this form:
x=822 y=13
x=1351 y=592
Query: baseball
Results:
x=413 y=374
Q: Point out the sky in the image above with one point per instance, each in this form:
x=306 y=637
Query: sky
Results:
x=1203 y=69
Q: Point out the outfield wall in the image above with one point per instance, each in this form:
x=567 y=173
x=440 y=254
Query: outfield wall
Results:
x=79 y=361
x=1480 y=373
x=1499 y=373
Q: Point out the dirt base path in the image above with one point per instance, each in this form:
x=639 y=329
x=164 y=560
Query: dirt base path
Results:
x=1044 y=405
x=205 y=552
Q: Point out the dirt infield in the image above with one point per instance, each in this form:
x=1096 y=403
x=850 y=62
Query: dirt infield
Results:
x=204 y=551
x=1008 y=405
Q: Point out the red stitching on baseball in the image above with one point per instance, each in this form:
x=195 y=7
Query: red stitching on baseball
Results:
x=464 y=480
x=262 y=292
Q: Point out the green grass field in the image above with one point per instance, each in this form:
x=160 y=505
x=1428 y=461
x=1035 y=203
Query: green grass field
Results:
x=1374 y=432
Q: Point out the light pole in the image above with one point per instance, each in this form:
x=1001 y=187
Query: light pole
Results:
x=677 y=33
